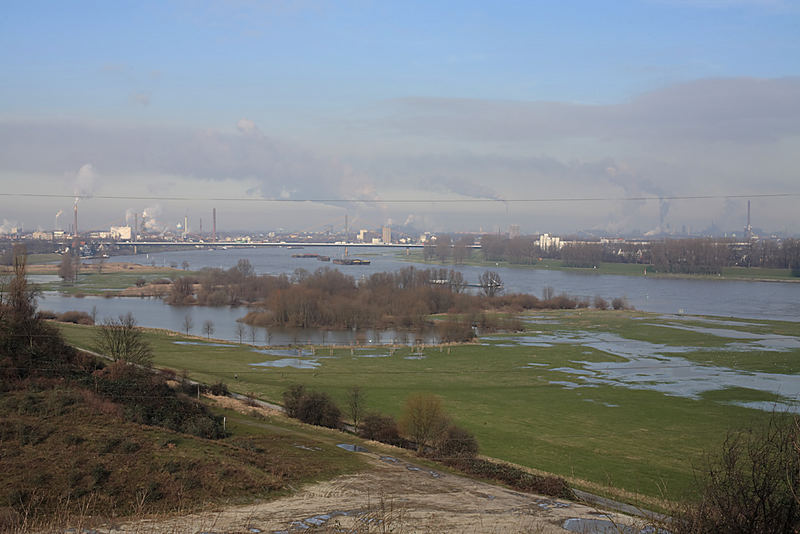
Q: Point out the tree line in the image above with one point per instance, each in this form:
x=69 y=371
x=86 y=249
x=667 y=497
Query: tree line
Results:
x=696 y=255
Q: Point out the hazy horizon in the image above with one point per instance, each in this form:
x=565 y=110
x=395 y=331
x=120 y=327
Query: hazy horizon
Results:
x=379 y=102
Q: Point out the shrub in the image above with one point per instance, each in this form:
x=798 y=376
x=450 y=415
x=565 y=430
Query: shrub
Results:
x=619 y=303
x=456 y=442
x=291 y=399
x=219 y=389
x=76 y=317
x=381 y=428
x=514 y=476
x=600 y=303
x=456 y=331
x=318 y=408
x=753 y=486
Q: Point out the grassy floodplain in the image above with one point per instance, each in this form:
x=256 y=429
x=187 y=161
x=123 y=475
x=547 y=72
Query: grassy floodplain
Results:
x=540 y=398
x=106 y=279
x=625 y=269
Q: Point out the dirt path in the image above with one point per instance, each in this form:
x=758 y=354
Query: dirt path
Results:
x=393 y=496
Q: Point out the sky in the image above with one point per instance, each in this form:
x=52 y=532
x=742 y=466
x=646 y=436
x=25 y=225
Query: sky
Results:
x=447 y=116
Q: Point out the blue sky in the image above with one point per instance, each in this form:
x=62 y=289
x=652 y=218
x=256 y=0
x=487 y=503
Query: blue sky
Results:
x=381 y=100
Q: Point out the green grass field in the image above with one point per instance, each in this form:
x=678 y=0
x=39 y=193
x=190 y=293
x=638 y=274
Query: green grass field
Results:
x=90 y=282
x=528 y=403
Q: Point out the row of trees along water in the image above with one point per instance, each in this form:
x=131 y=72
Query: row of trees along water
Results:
x=701 y=256
x=330 y=299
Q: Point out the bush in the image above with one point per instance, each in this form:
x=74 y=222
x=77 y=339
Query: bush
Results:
x=455 y=331
x=76 y=317
x=318 y=408
x=619 y=303
x=219 y=389
x=515 y=477
x=600 y=303
x=753 y=486
x=456 y=442
x=291 y=399
x=381 y=428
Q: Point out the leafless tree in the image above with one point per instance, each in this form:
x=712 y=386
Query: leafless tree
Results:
x=355 y=405
x=423 y=419
x=490 y=283
x=121 y=339
x=208 y=328
x=66 y=269
x=188 y=323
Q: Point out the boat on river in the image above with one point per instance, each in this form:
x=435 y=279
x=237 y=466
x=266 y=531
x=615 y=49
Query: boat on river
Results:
x=350 y=261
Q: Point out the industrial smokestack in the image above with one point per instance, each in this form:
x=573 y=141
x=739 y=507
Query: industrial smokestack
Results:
x=185 y=226
x=135 y=225
x=748 y=229
x=75 y=210
x=214 y=231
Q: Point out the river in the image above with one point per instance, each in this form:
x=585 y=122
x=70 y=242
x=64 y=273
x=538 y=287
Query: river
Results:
x=756 y=300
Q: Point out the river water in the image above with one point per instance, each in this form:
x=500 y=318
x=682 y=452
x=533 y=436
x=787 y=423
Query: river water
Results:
x=757 y=300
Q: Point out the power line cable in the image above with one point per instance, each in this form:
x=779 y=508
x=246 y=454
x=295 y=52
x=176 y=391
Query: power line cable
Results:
x=182 y=198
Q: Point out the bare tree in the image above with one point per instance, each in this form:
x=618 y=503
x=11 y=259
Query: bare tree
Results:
x=240 y=331
x=188 y=323
x=66 y=269
x=252 y=334
x=185 y=265
x=355 y=405
x=548 y=292
x=423 y=419
x=121 y=339
x=208 y=328
x=490 y=283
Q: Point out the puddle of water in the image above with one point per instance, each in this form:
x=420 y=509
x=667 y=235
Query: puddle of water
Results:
x=658 y=367
x=415 y=357
x=297 y=353
x=769 y=406
x=351 y=448
x=604 y=526
x=372 y=355
x=768 y=342
x=202 y=344
x=699 y=319
x=571 y=385
x=297 y=363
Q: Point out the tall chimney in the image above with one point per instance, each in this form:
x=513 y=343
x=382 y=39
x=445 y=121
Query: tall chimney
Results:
x=214 y=231
x=185 y=226
x=135 y=225
x=75 y=210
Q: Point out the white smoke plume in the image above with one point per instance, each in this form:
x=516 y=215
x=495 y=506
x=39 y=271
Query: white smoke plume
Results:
x=9 y=227
x=84 y=181
x=150 y=219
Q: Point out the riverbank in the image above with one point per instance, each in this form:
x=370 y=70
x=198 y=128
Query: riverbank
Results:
x=741 y=274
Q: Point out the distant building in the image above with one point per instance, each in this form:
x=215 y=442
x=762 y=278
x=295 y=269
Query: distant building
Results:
x=387 y=234
x=362 y=234
x=43 y=235
x=121 y=233
x=513 y=231
x=546 y=242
